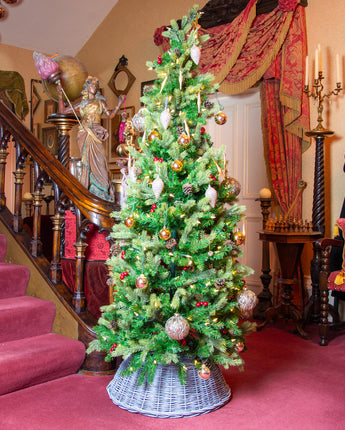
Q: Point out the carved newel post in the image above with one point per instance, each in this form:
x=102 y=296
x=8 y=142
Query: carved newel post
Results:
x=63 y=123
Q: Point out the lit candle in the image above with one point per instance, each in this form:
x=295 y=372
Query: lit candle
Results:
x=338 y=68
x=316 y=65
x=306 y=70
x=320 y=57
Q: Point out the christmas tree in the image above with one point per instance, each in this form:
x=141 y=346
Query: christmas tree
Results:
x=176 y=275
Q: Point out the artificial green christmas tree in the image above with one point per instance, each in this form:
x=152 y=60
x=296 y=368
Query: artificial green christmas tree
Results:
x=176 y=276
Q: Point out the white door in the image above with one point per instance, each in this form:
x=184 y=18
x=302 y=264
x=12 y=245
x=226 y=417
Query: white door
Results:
x=242 y=137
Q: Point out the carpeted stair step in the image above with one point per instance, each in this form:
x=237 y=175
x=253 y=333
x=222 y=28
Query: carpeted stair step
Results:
x=13 y=280
x=25 y=316
x=30 y=361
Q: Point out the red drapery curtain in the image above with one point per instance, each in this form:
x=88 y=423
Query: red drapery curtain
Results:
x=268 y=47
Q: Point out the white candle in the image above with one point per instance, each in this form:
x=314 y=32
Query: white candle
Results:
x=338 y=68
x=306 y=70
x=316 y=75
x=320 y=57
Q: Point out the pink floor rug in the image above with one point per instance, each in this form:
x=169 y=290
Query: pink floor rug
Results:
x=288 y=383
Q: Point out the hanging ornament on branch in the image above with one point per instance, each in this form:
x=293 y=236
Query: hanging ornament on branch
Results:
x=157 y=186
x=220 y=118
x=211 y=193
x=177 y=327
x=247 y=300
x=195 y=54
x=141 y=282
x=165 y=115
x=204 y=372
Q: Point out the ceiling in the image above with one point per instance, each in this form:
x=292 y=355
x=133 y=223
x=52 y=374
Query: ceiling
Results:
x=53 y=26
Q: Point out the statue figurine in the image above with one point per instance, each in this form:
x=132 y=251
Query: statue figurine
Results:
x=95 y=175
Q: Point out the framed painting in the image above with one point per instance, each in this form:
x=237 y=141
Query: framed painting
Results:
x=50 y=107
x=49 y=138
x=114 y=133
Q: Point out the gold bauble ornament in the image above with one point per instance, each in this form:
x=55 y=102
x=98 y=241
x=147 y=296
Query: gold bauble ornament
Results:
x=153 y=135
x=165 y=234
x=122 y=150
x=141 y=282
x=129 y=222
x=177 y=166
x=204 y=372
x=220 y=118
x=184 y=140
x=231 y=187
x=239 y=238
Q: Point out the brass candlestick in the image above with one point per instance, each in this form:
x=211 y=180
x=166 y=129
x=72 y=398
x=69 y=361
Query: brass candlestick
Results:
x=320 y=97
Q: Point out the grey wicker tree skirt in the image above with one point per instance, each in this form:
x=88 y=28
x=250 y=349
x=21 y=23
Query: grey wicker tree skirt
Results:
x=166 y=397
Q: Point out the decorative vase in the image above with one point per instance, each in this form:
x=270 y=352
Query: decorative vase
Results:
x=166 y=397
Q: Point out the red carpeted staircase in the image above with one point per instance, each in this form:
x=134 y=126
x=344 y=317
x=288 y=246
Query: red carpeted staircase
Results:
x=30 y=353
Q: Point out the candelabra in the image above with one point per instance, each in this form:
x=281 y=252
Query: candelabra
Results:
x=319 y=133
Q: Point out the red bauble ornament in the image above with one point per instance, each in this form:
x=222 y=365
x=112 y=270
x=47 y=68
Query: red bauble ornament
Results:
x=202 y=130
x=204 y=372
x=141 y=282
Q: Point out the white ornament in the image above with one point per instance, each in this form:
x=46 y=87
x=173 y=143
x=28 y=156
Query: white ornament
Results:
x=211 y=193
x=195 y=54
x=165 y=118
x=157 y=186
x=247 y=301
x=138 y=121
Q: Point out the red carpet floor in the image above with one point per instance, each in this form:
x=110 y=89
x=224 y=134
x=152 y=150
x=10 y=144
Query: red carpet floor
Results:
x=288 y=383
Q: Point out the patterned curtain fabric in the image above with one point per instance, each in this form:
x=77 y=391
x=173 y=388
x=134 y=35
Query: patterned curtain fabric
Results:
x=268 y=47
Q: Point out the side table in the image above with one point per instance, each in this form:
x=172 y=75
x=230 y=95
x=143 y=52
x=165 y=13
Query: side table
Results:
x=289 y=247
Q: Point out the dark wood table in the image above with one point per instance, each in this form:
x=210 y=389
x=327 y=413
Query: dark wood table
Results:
x=289 y=249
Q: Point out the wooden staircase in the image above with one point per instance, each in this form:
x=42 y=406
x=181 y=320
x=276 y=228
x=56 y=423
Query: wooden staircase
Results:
x=69 y=195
